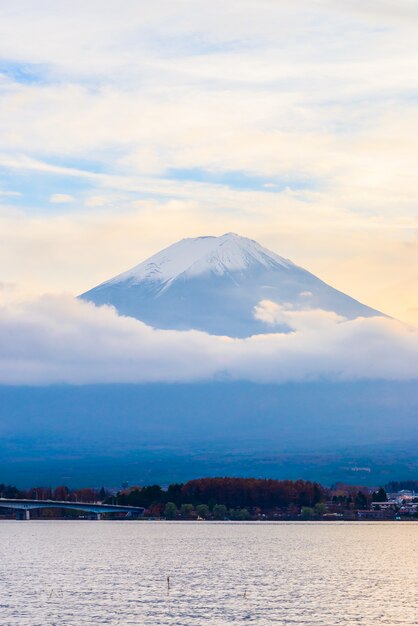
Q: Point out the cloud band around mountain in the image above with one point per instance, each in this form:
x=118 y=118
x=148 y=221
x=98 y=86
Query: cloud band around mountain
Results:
x=58 y=339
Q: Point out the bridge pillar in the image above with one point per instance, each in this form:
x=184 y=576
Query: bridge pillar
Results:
x=98 y=516
x=22 y=514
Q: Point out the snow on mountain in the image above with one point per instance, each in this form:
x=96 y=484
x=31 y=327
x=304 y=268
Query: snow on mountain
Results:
x=214 y=284
x=201 y=255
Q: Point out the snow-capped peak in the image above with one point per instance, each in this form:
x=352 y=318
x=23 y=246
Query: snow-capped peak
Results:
x=201 y=255
x=214 y=284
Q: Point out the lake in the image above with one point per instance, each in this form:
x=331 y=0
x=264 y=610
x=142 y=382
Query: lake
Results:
x=66 y=573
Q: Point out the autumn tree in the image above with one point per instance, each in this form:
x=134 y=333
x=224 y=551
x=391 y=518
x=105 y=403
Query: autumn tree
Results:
x=61 y=493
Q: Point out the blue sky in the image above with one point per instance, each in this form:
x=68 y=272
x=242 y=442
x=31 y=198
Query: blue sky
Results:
x=291 y=122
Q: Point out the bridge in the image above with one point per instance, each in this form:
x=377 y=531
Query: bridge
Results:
x=24 y=507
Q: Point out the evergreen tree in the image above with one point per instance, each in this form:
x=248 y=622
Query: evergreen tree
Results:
x=170 y=510
x=380 y=495
x=360 y=501
x=220 y=512
x=202 y=511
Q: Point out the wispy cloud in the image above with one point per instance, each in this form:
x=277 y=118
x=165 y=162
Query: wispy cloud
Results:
x=61 y=198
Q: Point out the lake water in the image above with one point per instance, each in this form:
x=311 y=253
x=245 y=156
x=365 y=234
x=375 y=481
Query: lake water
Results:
x=88 y=573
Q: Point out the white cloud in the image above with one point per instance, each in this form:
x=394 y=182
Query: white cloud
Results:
x=61 y=198
x=59 y=339
x=276 y=314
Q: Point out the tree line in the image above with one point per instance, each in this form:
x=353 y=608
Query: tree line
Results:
x=233 y=493
x=60 y=493
x=217 y=498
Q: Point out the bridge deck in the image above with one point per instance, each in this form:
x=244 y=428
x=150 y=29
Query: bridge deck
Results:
x=91 y=507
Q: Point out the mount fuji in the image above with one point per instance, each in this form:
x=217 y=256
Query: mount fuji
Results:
x=362 y=431
x=213 y=284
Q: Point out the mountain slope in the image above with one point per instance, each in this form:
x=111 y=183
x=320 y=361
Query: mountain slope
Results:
x=214 y=283
x=166 y=433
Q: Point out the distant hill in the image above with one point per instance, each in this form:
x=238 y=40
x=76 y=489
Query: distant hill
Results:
x=361 y=432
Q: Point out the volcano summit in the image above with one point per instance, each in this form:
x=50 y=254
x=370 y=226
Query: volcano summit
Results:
x=213 y=284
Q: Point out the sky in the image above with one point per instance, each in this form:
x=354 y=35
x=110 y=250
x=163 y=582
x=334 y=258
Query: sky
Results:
x=127 y=126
